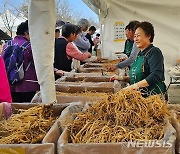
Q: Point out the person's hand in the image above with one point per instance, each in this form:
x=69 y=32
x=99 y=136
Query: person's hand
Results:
x=60 y=72
x=116 y=77
x=112 y=78
x=111 y=68
x=89 y=54
x=99 y=59
x=123 y=59
x=132 y=87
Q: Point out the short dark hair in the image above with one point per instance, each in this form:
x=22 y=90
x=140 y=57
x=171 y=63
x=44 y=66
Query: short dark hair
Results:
x=92 y=28
x=132 y=24
x=147 y=28
x=22 y=28
x=127 y=27
x=68 y=29
x=57 y=30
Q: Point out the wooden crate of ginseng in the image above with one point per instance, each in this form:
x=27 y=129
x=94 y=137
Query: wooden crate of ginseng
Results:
x=123 y=123
x=28 y=130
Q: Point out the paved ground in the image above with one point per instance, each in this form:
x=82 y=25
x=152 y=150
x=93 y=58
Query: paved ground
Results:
x=173 y=91
x=174 y=94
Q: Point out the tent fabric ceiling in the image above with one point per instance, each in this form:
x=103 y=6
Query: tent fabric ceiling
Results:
x=97 y=6
x=91 y=6
x=163 y=14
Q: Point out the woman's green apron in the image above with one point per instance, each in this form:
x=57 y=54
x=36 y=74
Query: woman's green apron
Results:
x=136 y=74
x=128 y=47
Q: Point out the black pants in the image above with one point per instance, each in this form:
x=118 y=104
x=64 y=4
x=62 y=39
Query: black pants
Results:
x=81 y=62
x=21 y=97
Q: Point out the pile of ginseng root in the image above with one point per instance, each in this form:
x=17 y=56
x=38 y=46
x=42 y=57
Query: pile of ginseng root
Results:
x=108 y=66
x=178 y=116
x=28 y=126
x=121 y=117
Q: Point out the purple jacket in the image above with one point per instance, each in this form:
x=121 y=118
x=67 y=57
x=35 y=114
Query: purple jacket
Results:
x=30 y=74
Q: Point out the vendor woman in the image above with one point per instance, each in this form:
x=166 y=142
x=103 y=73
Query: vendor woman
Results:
x=147 y=71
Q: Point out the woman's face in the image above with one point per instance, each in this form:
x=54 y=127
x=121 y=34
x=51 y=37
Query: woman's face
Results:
x=84 y=28
x=142 y=40
x=76 y=36
x=73 y=37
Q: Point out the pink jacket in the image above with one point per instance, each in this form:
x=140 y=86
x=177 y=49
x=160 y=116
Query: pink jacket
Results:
x=5 y=95
x=73 y=52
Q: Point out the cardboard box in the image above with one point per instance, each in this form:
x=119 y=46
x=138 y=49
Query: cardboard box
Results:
x=175 y=108
x=112 y=148
x=73 y=74
x=100 y=70
x=88 y=65
x=48 y=143
x=92 y=69
x=47 y=148
x=83 y=99
x=73 y=87
x=106 y=60
x=164 y=146
x=62 y=99
x=83 y=79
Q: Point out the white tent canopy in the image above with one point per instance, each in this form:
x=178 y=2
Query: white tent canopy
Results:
x=163 y=14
